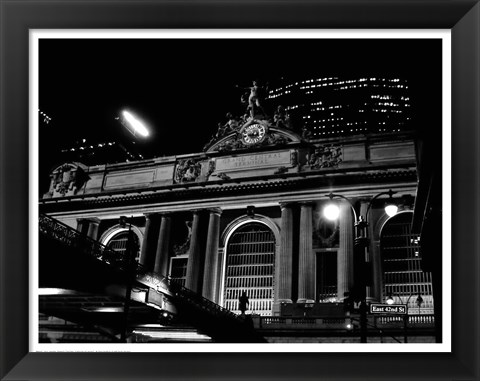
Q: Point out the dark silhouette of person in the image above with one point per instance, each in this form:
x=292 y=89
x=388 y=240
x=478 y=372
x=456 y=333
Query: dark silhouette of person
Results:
x=243 y=301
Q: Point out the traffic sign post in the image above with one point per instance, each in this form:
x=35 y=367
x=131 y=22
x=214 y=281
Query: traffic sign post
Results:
x=388 y=309
x=392 y=309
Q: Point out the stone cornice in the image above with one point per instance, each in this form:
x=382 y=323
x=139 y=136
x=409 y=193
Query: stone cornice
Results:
x=290 y=184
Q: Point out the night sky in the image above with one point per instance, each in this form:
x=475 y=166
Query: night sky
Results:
x=183 y=88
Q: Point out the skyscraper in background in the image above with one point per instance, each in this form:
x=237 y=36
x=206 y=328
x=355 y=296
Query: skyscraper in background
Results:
x=332 y=106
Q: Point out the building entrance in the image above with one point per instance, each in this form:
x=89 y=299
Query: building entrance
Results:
x=250 y=264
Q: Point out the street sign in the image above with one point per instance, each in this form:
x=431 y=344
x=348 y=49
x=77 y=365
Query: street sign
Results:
x=388 y=309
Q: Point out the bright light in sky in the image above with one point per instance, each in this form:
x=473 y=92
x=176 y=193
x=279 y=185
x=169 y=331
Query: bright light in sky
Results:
x=137 y=126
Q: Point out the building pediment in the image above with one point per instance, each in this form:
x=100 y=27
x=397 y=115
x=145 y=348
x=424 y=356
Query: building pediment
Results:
x=254 y=134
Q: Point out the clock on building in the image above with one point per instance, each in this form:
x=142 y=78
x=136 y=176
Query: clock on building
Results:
x=253 y=133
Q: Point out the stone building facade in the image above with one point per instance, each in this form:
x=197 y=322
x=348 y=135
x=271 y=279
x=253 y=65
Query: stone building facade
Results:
x=246 y=215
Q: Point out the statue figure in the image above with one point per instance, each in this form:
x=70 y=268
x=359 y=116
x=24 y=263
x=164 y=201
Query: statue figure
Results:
x=232 y=123
x=306 y=134
x=281 y=118
x=255 y=98
x=220 y=130
x=212 y=140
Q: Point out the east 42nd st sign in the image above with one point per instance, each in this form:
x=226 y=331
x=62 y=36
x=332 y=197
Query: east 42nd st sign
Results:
x=392 y=309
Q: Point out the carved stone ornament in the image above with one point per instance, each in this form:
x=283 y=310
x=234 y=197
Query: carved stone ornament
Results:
x=66 y=180
x=211 y=167
x=223 y=176
x=325 y=233
x=187 y=170
x=327 y=156
x=184 y=247
x=277 y=139
x=231 y=144
x=294 y=158
x=254 y=133
x=280 y=170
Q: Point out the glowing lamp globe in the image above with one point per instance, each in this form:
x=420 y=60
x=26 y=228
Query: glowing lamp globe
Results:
x=331 y=212
x=391 y=210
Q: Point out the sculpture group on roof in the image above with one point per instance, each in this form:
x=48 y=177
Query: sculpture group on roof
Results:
x=253 y=98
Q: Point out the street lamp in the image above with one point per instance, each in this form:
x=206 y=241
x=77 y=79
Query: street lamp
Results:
x=419 y=302
x=130 y=267
x=391 y=208
x=360 y=248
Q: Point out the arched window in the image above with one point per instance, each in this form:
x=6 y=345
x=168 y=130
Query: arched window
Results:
x=403 y=278
x=250 y=267
x=118 y=243
x=116 y=238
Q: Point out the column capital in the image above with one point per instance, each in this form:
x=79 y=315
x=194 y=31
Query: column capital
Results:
x=89 y=219
x=217 y=211
x=150 y=214
x=364 y=199
x=304 y=204
x=286 y=204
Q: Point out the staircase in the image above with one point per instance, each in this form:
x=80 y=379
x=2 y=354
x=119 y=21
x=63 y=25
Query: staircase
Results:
x=219 y=323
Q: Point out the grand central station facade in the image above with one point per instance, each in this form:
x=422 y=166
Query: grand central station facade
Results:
x=247 y=216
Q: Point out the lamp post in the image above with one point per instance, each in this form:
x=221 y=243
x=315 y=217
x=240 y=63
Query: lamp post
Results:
x=419 y=301
x=362 y=275
x=130 y=267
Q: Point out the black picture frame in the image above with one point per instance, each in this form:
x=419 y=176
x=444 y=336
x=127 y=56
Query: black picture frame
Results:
x=18 y=17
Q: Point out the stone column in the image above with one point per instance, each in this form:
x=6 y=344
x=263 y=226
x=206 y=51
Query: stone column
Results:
x=194 y=255
x=345 y=251
x=163 y=243
x=283 y=262
x=368 y=256
x=147 y=254
x=210 y=280
x=219 y=275
x=306 y=259
x=82 y=225
x=93 y=228
x=376 y=271
x=376 y=221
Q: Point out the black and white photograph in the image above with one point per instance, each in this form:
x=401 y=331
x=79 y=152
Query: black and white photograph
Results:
x=242 y=190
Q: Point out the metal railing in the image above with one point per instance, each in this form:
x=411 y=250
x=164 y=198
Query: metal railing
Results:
x=201 y=302
x=413 y=321
x=73 y=238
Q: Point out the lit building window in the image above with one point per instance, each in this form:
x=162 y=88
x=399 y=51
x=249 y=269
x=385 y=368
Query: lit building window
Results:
x=118 y=243
x=250 y=263
x=403 y=278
